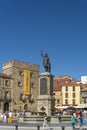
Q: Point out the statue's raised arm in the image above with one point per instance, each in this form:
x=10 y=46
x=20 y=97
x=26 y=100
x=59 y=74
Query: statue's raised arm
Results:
x=42 y=54
x=46 y=62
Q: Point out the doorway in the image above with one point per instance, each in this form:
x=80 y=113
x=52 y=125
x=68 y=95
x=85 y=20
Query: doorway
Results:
x=6 y=106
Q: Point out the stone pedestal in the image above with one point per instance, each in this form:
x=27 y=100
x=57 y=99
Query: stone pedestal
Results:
x=45 y=100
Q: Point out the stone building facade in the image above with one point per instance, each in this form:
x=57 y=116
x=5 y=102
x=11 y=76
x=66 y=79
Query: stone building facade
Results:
x=20 y=101
x=6 y=92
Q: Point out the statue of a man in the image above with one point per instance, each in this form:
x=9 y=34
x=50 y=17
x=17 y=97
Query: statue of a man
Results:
x=46 y=62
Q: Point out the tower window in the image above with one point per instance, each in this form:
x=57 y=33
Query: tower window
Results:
x=20 y=84
x=21 y=73
x=7 y=83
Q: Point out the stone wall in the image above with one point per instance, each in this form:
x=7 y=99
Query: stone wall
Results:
x=15 y=69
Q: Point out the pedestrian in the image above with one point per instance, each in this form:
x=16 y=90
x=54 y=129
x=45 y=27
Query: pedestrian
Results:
x=77 y=114
x=4 y=117
x=7 y=115
x=81 y=118
x=45 y=121
x=73 y=121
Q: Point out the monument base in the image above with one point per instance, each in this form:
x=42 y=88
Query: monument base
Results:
x=45 y=100
x=45 y=104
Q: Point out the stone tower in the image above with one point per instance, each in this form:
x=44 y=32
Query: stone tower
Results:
x=15 y=69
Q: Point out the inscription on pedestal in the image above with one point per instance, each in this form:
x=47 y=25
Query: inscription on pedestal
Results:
x=43 y=86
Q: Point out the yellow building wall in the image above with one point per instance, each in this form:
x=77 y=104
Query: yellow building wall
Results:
x=70 y=95
x=63 y=94
x=78 y=95
x=58 y=96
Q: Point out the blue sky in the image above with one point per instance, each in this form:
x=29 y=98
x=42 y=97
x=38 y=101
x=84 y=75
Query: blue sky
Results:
x=58 y=27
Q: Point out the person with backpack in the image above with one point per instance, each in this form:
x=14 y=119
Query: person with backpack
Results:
x=73 y=121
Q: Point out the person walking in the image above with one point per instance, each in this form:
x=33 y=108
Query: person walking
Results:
x=45 y=121
x=73 y=121
x=82 y=120
x=4 y=117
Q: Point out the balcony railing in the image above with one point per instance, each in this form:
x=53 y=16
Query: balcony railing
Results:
x=5 y=99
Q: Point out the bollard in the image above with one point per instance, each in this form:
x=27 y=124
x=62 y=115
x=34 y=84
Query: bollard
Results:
x=16 y=127
x=63 y=127
x=38 y=127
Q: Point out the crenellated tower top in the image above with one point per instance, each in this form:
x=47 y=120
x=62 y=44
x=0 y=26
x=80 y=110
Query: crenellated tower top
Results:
x=20 y=64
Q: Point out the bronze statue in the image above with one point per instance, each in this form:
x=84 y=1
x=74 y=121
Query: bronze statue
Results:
x=46 y=62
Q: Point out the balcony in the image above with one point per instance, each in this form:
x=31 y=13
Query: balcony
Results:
x=2 y=99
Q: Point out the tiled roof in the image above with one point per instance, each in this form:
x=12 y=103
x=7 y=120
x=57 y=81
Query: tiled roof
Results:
x=84 y=89
x=71 y=84
x=63 y=81
x=57 y=88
